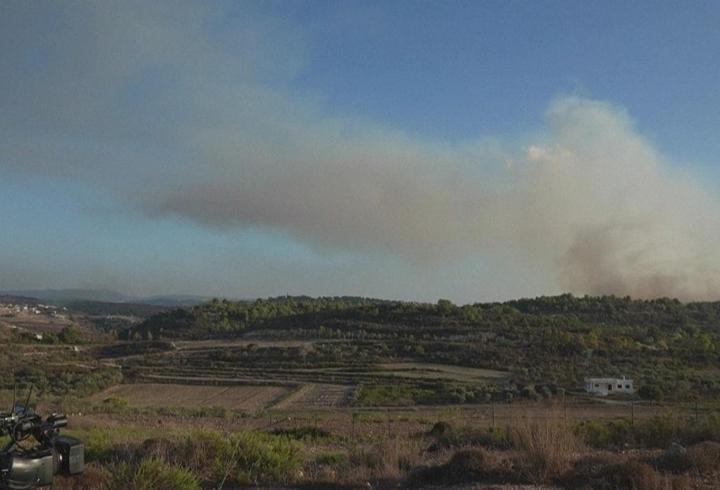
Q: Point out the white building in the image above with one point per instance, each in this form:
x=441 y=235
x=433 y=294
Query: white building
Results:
x=608 y=386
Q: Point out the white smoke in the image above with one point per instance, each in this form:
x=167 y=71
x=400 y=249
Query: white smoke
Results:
x=208 y=138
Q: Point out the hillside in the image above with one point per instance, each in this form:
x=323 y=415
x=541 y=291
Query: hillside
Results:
x=669 y=347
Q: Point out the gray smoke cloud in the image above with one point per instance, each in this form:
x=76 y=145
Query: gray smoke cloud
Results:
x=178 y=120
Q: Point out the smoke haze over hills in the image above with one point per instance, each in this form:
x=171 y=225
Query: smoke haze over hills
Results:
x=170 y=120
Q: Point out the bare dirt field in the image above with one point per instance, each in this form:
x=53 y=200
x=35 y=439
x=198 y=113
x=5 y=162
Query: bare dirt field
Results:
x=317 y=396
x=195 y=396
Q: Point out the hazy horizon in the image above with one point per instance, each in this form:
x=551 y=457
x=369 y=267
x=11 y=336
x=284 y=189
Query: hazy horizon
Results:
x=475 y=151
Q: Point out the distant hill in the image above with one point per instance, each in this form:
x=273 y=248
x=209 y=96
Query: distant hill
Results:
x=178 y=300
x=65 y=296
x=17 y=300
x=99 y=308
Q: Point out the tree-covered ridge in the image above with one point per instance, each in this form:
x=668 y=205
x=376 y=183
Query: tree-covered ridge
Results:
x=221 y=317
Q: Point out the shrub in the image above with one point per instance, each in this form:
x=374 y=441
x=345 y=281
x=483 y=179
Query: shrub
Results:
x=391 y=459
x=331 y=459
x=465 y=466
x=156 y=474
x=242 y=457
x=115 y=403
x=303 y=433
x=156 y=448
x=650 y=392
x=445 y=436
x=635 y=475
x=674 y=459
x=253 y=457
x=440 y=429
x=659 y=431
x=97 y=443
x=704 y=456
x=547 y=449
x=610 y=472
x=199 y=450
x=605 y=434
x=472 y=464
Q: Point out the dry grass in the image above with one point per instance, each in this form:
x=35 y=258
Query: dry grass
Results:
x=547 y=449
x=614 y=471
x=704 y=456
x=93 y=478
x=392 y=459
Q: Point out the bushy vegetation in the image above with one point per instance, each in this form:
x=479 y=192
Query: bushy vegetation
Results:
x=237 y=458
x=548 y=343
x=153 y=474
x=653 y=432
x=529 y=452
x=222 y=317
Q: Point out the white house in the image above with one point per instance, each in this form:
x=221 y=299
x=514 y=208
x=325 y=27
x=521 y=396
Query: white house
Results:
x=608 y=386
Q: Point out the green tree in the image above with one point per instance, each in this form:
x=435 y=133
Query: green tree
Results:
x=70 y=335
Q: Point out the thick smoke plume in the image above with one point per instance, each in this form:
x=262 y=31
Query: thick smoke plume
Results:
x=593 y=203
x=165 y=119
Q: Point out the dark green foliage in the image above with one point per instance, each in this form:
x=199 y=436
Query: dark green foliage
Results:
x=302 y=433
x=650 y=392
x=331 y=459
x=669 y=348
x=406 y=394
x=154 y=474
x=654 y=432
x=239 y=458
x=99 y=308
x=220 y=318
x=440 y=429
x=70 y=335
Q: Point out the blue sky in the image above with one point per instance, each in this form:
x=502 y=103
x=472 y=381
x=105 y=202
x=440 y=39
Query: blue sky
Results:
x=414 y=150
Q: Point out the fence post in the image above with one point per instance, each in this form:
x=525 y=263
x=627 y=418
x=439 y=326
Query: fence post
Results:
x=493 y=414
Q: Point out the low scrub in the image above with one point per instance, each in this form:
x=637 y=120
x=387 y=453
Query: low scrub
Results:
x=655 y=432
x=303 y=433
x=392 y=459
x=701 y=458
x=239 y=458
x=253 y=457
x=465 y=466
x=546 y=450
x=153 y=474
x=611 y=471
x=446 y=436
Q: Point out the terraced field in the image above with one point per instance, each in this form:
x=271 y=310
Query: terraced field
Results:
x=315 y=374
x=195 y=396
x=285 y=363
x=424 y=370
x=317 y=396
